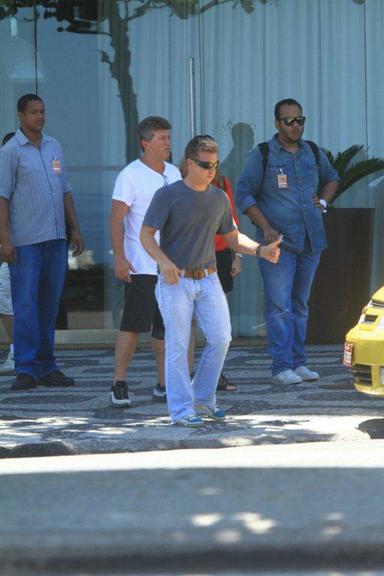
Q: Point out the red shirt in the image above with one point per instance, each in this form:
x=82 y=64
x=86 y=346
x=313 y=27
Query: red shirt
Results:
x=223 y=183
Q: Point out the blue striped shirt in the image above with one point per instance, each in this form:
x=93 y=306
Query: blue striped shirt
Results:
x=34 y=181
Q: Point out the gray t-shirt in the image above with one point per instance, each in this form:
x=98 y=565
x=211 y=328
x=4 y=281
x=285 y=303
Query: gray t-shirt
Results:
x=188 y=221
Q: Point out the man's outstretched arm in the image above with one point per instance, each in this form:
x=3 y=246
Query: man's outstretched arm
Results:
x=241 y=243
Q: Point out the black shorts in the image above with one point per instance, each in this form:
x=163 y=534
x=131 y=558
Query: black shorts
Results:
x=224 y=267
x=140 y=307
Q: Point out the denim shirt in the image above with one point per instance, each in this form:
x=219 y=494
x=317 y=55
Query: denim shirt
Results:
x=289 y=210
x=34 y=182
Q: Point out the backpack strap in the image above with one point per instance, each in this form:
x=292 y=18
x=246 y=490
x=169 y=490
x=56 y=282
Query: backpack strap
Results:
x=264 y=151
x=316 y=153
x=315 y=149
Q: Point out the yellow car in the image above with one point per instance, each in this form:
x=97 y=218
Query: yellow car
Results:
x=364 y=347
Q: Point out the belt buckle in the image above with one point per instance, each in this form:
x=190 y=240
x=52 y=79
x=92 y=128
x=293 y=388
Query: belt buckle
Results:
x=199 y=274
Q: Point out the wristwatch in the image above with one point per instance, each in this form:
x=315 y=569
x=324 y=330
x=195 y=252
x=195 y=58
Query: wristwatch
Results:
x=324 y=203
x=258 y=251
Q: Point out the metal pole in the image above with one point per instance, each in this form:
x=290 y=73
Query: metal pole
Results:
x=191 y=86
x=35 y=44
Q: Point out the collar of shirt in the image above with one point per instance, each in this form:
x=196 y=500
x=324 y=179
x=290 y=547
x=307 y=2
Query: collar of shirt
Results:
x=23 y=140
x=276 y=145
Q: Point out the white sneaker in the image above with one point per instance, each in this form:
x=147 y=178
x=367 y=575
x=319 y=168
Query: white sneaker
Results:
x=9 y=364
x=306 y=374
x=287 y=377
x=191 y=421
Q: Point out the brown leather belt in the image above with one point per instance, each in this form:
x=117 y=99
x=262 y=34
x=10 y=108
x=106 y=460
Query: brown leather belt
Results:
x=198 y=273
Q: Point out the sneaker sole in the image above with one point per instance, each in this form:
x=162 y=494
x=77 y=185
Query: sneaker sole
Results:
x=159 y=398
x=189 y=424
x=24 y=389
x=275 y=381
x=203 y=414
x=55 y=385
x=120 y=403
x=215 y=418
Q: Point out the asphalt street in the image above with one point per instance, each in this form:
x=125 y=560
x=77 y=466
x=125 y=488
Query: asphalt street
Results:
x=295 y=488
x=252 y=509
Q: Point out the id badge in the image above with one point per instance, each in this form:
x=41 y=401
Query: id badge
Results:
x=282 y=181
x=56 y=166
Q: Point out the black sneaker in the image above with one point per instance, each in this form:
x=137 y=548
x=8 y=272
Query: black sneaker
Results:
x=24 y=382
x=119 y=394
x=55 y=379
x=159 y=393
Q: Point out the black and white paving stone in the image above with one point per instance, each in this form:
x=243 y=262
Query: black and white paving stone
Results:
x=81 y=419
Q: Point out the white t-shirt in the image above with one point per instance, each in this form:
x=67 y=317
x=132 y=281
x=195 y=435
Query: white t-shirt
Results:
x=135 y=186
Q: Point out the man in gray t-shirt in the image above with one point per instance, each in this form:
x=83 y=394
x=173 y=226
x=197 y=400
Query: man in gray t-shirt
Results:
x=188 y=220
x=188 y=214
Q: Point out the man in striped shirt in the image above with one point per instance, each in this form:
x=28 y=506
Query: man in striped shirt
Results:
x=35 y=204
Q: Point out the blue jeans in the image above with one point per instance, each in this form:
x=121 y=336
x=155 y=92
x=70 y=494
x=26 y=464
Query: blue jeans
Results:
x=205 y=301
x=37 y=279
x=287 y=286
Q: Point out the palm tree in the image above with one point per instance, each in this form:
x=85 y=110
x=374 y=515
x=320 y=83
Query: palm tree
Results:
x=350 y=170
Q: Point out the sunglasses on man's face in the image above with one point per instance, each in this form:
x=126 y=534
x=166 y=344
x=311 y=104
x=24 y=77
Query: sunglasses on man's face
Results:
x=291 y=120
x=206 y=165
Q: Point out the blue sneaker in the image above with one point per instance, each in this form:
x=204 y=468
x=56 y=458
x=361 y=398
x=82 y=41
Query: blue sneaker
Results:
x=212 y=412
x=190 y=421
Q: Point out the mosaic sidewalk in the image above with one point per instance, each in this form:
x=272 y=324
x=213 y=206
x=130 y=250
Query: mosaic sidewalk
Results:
x=81 y=420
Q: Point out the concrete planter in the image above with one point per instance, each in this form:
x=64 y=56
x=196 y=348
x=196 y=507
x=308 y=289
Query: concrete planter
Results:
x=342 y=282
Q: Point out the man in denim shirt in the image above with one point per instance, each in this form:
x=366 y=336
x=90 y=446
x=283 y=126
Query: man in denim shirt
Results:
x=35 y=204
x=283 y=199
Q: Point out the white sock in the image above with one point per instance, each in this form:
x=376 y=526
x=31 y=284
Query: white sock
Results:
x=11 y=349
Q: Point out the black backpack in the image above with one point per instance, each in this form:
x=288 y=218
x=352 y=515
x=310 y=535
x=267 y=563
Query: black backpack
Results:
x=264 y=151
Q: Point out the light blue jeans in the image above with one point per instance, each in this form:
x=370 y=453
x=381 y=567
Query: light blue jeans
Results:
x=287 y=286
x=205 y=301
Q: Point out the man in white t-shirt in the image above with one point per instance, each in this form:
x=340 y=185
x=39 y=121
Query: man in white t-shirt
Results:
x=133 y=192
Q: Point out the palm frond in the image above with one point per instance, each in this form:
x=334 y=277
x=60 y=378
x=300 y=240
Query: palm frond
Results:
x=358 y=171
x=329 y=155
x=344 y=158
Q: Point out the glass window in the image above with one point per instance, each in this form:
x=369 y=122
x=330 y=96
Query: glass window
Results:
x=215 y=68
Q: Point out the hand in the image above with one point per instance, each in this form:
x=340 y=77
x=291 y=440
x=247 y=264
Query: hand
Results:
x=123 y=269
x=236 y=266
x=318 y=204
x=77 y=243
x=271 y=252
x=270 y=234
x=170 y=271
x=8 y=252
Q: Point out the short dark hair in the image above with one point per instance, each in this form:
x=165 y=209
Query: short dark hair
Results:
x=22 y=102
x=288 y=102
x=201 y=143
x=151 y=124
x=7 y=137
